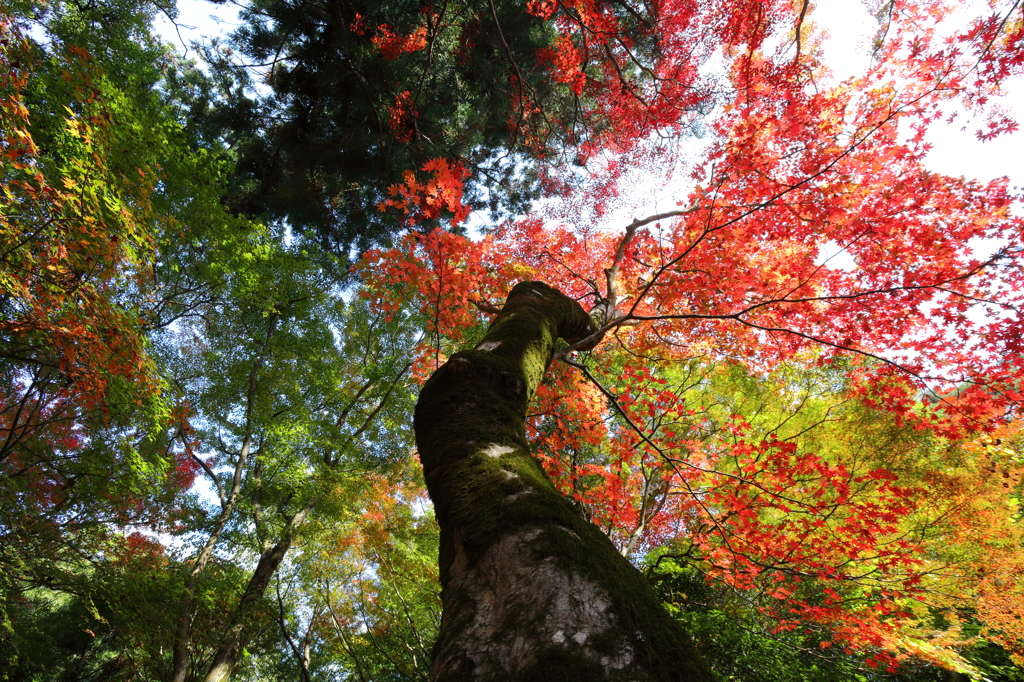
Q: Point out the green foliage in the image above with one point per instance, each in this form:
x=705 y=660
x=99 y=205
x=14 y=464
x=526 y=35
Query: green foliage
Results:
x=740 y=644
x=291 y=389
x=113 y=616
x=99 y=187
x=368 y=582
x=346 y=115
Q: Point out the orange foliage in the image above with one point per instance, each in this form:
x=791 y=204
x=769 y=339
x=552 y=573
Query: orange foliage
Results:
x=389 y=44
x=69 y=242
x=440 y=195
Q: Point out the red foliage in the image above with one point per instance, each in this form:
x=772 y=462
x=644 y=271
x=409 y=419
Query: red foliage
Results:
x=923 y=319
x=389 y=44
x=400 y=117
x=440 y=195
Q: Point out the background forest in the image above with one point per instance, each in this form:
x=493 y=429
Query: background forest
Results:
x=224 y=277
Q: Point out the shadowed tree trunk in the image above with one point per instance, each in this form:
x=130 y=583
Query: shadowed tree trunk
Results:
x=531 y=590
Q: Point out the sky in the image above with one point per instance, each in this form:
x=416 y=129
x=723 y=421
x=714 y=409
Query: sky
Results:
x=955 y=151
x=197 y=19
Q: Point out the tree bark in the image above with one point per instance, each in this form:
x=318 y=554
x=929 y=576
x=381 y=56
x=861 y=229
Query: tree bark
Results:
x=183 y=636
x=236 y=636
x=531 y=590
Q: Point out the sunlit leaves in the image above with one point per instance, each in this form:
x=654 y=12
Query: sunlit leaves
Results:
x=75 y=231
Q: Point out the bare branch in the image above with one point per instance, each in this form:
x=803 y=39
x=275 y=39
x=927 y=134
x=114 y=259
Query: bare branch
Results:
x=800 y=26
x=604 y=313
x=611 y=274
x=487 y=307
x=213 y=477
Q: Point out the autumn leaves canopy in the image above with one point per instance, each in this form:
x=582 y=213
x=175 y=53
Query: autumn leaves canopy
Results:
x=809 y=399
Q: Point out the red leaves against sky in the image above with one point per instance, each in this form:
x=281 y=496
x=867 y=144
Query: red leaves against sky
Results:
x=815 y=235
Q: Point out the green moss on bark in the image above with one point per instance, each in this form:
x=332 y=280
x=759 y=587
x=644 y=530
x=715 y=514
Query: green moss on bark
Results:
x=531 y=590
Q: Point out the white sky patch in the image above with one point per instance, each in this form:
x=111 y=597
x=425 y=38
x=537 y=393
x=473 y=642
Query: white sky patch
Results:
x=835 y=257
x=848 y=29
x=204 y=488
x=957 y=151
x=198 y=21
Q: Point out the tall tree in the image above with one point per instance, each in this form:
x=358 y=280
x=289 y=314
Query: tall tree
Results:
x=799 y=168
x=291 y=392
x=377 y=120
x=531 y=589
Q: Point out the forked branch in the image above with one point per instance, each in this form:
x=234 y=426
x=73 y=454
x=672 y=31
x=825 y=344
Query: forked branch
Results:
x=605 y=313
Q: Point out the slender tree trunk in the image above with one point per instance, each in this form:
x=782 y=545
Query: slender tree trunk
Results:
x=302 y=655
x=236 y=636
x=183 y=631
x=183 y=634
x=531 y=591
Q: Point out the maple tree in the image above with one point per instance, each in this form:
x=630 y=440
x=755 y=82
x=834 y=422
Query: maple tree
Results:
x=69 y=237
x=101 y=186
x=798 y=167
x=80 y=392
x=94 y=174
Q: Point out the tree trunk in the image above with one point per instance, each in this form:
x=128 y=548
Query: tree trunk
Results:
x=183 y=631
x=236 y=636
x=183 y=636
x=531 y=591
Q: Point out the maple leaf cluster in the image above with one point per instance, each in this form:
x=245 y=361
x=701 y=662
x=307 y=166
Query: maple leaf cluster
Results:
x=59 y=280
x=914 y=340
x=77 y=231
x=441 y=194
x=389 y=44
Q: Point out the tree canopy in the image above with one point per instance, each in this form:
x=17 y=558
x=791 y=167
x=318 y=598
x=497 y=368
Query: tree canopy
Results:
x=796 y=407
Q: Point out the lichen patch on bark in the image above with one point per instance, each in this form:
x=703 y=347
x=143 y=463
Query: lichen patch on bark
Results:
x=497 y=450
x=512 y=586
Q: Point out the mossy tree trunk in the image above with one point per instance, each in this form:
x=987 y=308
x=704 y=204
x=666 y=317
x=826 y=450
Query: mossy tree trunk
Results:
x=531 y=590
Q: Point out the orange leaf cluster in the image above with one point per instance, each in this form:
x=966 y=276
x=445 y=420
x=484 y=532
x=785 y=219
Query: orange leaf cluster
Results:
x=389 y=44
x=69 y=242
x=439 y=195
